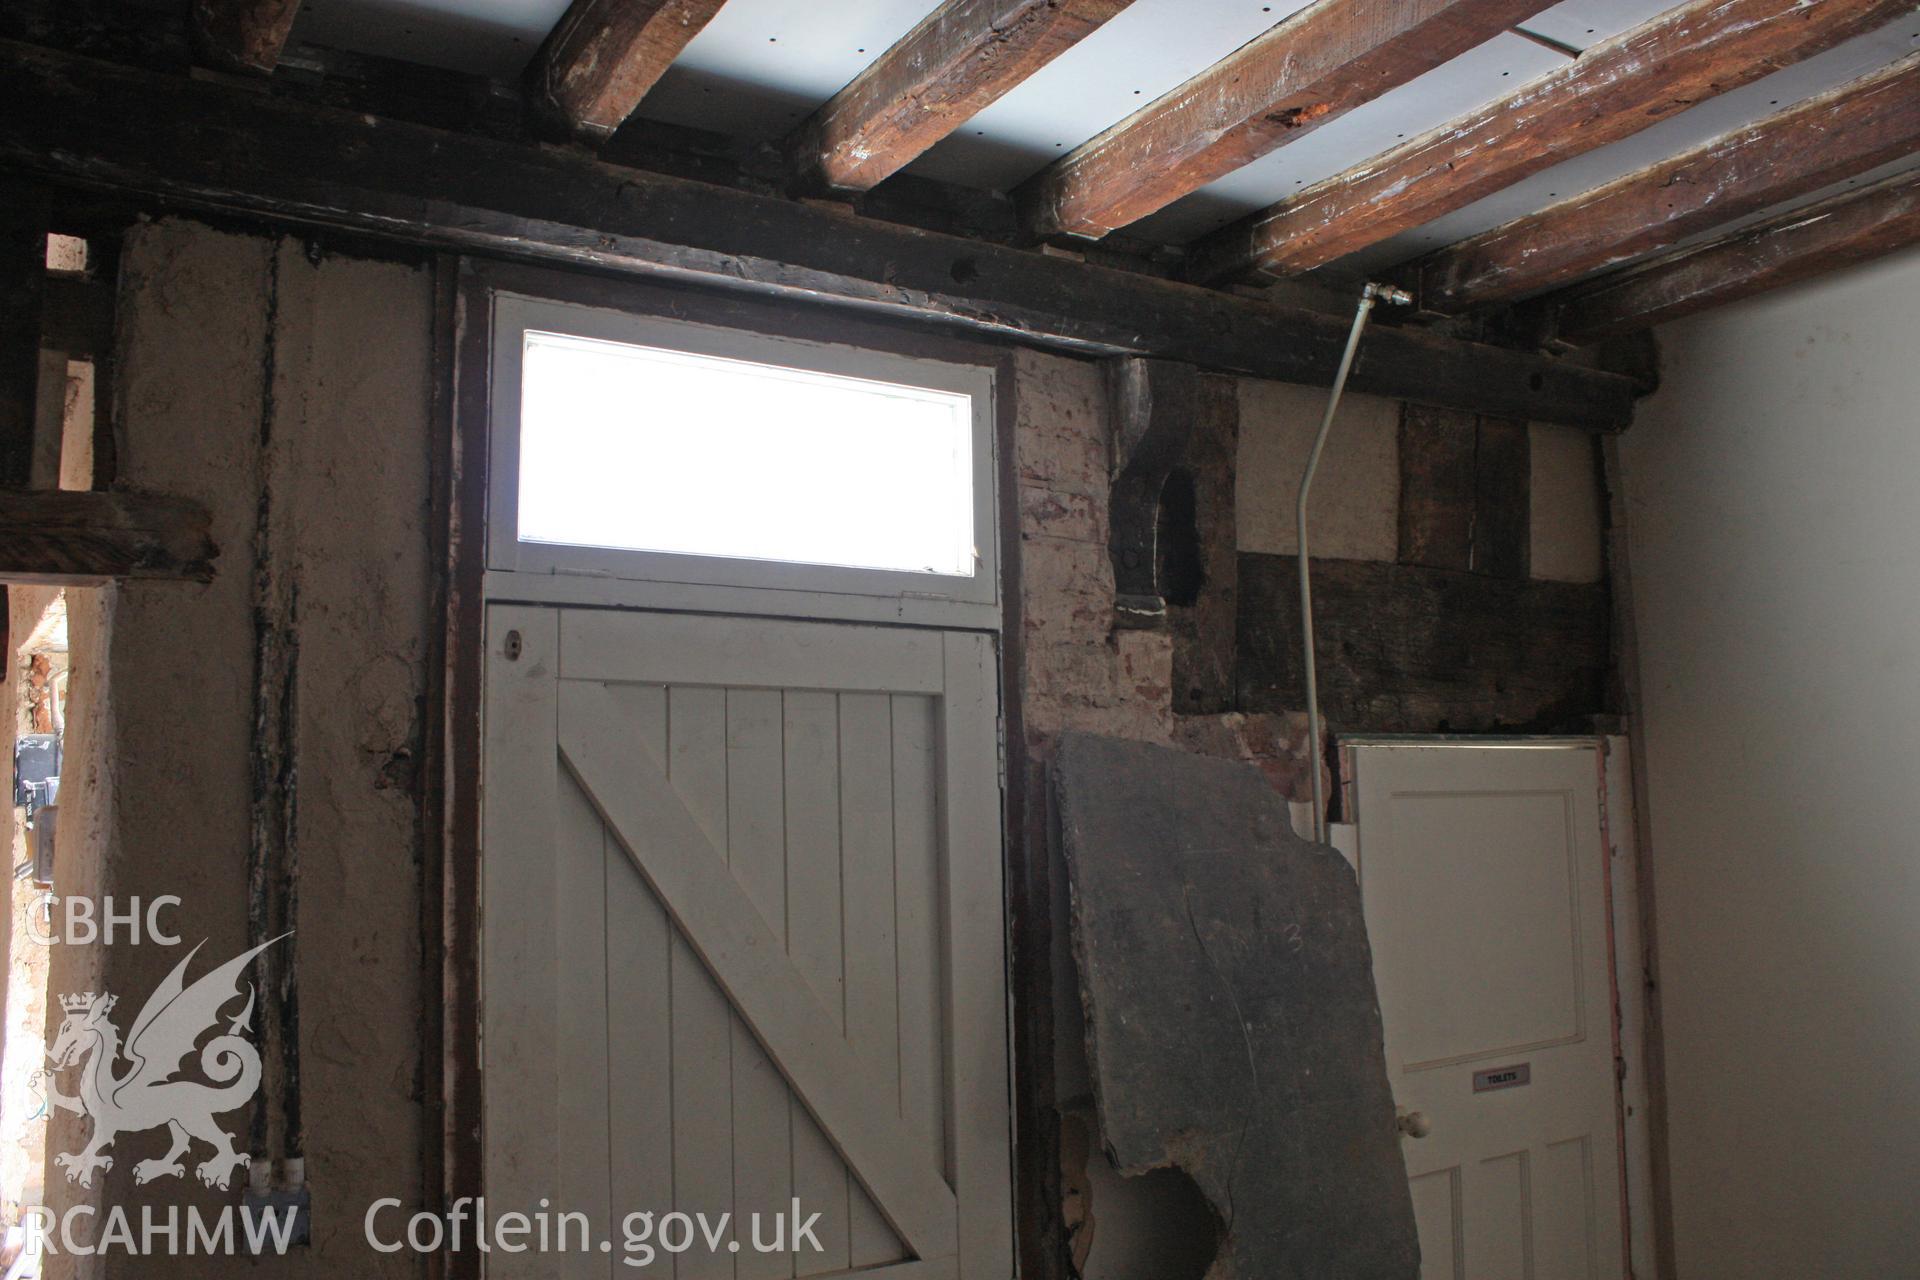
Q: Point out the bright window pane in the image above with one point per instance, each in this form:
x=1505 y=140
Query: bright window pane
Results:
x=644 y=449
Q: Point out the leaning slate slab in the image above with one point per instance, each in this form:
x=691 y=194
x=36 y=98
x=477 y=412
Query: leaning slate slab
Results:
x=1232 y=1026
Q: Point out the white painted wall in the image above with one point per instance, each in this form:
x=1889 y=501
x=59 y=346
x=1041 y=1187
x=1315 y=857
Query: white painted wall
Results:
x=1775 y=545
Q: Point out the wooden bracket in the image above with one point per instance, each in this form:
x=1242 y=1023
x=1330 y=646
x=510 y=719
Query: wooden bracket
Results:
x=1154 y=403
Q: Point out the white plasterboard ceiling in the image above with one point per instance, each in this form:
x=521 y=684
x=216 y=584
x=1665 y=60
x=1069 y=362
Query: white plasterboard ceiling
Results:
x=761 y=65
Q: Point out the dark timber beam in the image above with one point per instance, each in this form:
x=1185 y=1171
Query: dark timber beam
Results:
x=1307 y=70
x=1826 y=139
x=243 y=35
x=86 y=538
x=604 y=55
x=1658 y=69
x=208 y=145
x=960 y=58
x=1834 y=233
x=23 y=284
x=77 y=317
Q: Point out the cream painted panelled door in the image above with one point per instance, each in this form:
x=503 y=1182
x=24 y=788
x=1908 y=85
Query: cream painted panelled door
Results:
x=743 y=941
x=1484 y=881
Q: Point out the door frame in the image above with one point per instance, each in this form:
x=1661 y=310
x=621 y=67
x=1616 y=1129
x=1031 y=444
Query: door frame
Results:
x=1634 y=1061
x=463 y=285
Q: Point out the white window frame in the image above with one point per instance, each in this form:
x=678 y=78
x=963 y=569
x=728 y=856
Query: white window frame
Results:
x=540 y=572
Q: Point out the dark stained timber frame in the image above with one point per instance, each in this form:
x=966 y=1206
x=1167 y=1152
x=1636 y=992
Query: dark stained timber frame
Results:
x=209 y=145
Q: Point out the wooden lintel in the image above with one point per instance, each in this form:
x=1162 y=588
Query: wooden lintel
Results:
x=1858 y=226
x=1647 y=74
x=959 y=59
x=90 y=537
x=1826 y=139
x=208 y=145
x=243 y=35
x=604 y=55
x=1305 y=71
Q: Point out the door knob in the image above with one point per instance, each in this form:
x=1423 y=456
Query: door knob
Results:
x=1415 y=1124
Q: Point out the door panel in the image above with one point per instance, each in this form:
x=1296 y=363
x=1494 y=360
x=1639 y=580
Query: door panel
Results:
x=1483 y=876
x=769 y=915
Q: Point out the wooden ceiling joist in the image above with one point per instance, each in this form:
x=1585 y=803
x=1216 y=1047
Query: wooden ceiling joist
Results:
x=960 y=59
x=1307 y=70
x=604 y=55
x=210 y=145
x=242 y=35
x=1837 y=232
x=1814 y=144
x=90 y=537
x=1684 y=56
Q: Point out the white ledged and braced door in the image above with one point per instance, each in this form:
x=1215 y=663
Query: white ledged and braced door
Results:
x=1484 y=878
x=743 y=938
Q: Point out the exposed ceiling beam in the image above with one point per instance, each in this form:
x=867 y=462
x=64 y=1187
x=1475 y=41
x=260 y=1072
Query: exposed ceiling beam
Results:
x=1814 y=144
x=90 y=537
x=1837 y=232
x=1684 y=56
x=242 y=35
x=961 y=58
x=1307 y=70
x=604 y=55
x=209 y=145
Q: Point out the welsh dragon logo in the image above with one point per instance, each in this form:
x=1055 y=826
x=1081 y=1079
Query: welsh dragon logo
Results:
x=146 y=1094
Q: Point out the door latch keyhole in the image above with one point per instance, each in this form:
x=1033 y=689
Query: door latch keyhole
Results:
x=513 y=646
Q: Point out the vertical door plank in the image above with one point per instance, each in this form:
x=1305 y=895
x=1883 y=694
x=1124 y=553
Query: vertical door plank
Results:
x=640 y=1019
x=756 y=839
x=726 y=929
x=519 y=965
x=580 y=1014
x=917 y=923
x=702 y=1020
x=872 y=965
x=976 y=922
x=812 y=753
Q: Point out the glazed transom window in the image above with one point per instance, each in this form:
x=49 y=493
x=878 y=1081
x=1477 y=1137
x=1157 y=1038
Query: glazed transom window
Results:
x=641 y=448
